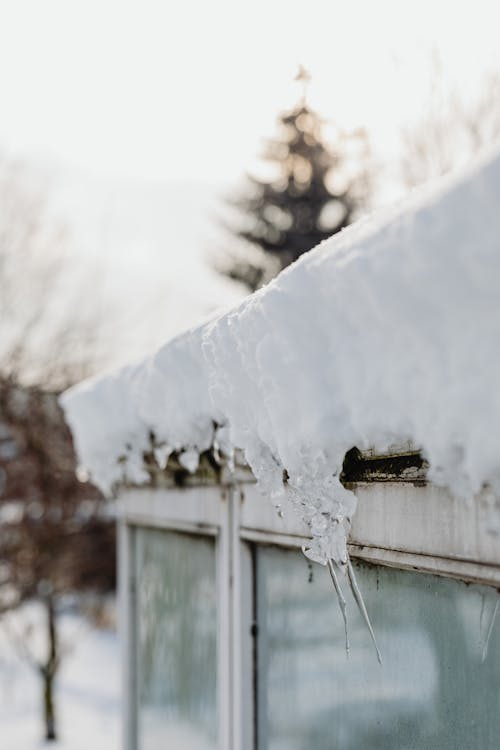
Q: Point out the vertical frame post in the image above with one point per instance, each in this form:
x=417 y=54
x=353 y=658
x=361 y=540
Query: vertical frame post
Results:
x=126 y=627
x=224 y=626
x=242 y=627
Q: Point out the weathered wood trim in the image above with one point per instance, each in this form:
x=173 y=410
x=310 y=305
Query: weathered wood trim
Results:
x=407 y=466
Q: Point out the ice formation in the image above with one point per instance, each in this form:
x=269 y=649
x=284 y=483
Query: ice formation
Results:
x=389 y=331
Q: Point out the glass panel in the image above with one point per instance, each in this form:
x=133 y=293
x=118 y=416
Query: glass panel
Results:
x=176 y=633
x=433 y=690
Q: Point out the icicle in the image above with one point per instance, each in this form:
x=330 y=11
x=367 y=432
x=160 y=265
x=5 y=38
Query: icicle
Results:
x=361 y=605
x=231 y=462
x=341 y=600
x=217 y=452
x=481 y=616
x=490 y=630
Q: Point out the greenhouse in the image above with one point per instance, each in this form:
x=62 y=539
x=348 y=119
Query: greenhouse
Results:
x=309 y=496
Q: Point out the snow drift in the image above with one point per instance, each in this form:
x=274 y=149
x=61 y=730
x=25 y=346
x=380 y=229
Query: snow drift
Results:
x=389 y=331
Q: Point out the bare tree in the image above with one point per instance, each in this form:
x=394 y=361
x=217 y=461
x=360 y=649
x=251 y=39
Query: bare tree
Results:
x=52 y=331
x=55 y=535
x=453 y=129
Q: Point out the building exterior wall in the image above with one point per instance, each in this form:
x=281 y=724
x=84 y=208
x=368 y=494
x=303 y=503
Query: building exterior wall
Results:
x=399 y=524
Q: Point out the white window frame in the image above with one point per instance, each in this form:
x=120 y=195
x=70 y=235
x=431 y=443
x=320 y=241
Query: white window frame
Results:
x=421 y=528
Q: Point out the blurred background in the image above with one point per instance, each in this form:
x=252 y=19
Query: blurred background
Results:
x=158 y=162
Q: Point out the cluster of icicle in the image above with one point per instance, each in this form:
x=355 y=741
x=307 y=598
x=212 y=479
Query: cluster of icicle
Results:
x=326 y=507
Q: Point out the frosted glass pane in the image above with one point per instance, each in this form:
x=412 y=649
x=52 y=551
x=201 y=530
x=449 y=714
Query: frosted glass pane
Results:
x=433 y=690
x=176 y=641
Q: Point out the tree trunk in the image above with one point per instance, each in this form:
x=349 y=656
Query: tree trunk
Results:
x=48 y=671
x=48 y=703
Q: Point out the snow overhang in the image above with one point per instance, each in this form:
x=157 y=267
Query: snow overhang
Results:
x=385 y=333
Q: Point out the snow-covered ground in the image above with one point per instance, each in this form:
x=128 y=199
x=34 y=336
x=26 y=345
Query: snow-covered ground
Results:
x=87 y=691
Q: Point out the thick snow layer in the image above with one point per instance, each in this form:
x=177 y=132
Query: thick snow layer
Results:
x=389 y=331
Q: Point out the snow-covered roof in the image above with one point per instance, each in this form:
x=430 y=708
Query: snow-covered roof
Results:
x=388 y=331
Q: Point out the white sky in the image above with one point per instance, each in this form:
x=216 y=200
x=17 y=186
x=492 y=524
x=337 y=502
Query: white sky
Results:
x=131 y=99
x=185 y=88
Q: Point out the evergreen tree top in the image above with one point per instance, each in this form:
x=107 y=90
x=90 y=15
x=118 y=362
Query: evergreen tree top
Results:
x=300 y=205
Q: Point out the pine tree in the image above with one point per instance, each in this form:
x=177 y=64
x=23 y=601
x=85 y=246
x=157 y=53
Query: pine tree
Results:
x=314 y=194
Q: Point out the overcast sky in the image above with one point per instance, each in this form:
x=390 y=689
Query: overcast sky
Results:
x=185 y=88
x=147 y=110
